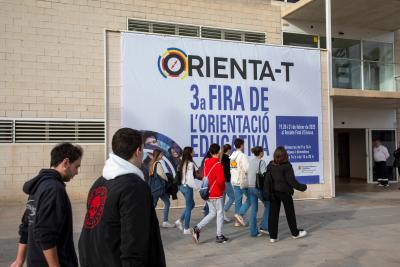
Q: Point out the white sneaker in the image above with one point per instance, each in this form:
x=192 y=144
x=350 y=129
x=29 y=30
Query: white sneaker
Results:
x=187 y=232
x=273 y=240
x=237 y=224
x=264 y=232
x=302 y=233
x=178 y=224
x=167 y=225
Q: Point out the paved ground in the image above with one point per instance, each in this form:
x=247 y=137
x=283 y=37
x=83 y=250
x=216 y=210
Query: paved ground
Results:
x=355 y=229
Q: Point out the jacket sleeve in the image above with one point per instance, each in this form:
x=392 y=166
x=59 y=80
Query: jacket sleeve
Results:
x=263 y=166
x=219 y=172
x=23 y=228
x=50 y=217
x=244 y=163
x=291 y=180
x=135 y=211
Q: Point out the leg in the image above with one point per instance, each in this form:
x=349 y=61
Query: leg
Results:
x=290 y=213
x=246 y=204
x=167 y=204
x=189 y=206
x=155 y=200
x=184 y=193
x=253 y=199
x=220 y=215
x=264 y=222
x=231 y=196
x=212 y=213
x=238 y=198
x=273 y=220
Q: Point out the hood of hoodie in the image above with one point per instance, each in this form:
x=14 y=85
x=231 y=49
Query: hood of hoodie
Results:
x=116 y=166
x=44 y=174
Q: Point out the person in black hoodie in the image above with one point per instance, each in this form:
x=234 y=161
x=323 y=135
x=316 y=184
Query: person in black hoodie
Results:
x=121 y=227
x=283 y=183
x=46 y=230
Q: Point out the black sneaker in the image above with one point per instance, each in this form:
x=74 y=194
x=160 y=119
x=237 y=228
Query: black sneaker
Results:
x=221 y=239
x=195 y=234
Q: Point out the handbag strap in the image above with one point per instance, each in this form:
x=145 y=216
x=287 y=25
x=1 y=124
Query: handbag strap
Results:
x=211 y=168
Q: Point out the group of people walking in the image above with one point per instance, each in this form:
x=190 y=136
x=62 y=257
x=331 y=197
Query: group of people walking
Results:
x=232 y=178
x=121 y=227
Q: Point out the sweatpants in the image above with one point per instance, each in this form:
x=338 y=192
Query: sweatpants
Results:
x=275 y=206
x=216 y=208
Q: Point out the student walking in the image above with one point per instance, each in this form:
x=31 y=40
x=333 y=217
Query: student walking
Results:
x=215 y=172
x=188 y=169
x=381 y=155
x=239 y=166
x=226 y=163
x=284 y=182
x=156 y=168
x=46 y=237
x=256 y=165
x=121 y=226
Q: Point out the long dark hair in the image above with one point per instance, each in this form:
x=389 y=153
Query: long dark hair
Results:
x=224 y=149
x=186 y=158
x=156 y=154
x=280 y=156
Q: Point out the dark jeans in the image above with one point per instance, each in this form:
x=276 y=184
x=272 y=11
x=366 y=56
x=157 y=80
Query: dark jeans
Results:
x=275 y=207
x=381 y=172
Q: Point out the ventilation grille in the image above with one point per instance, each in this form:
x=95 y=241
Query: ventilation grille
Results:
x=163 y=28
x=36 y=131
x=194 y=31
x=6 y=131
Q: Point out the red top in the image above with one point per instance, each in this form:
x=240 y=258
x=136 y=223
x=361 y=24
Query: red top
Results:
x=216 y=178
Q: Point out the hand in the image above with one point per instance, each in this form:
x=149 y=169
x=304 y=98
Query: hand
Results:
x=16 y=263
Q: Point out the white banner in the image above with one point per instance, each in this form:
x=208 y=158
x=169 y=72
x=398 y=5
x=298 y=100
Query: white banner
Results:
x=195 y=92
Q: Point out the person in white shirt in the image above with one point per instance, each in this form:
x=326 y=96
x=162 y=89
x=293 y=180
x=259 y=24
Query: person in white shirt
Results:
x=239 y=167
x=381 y=155
x=188 y=169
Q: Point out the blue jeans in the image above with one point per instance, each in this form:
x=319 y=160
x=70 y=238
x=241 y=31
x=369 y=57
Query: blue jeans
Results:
x=238 y=199
x=231 y=196
x=165 y=199
x=189 y=205
x=254 y=195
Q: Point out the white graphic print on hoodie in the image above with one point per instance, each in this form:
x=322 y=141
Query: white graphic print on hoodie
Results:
x=242 y=165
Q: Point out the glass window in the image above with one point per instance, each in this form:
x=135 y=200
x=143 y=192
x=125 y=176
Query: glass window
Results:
x=379 y=76
x=346 y=73
x=303 y=40
x=376 y=51
x=346 y=48
x=322 y=42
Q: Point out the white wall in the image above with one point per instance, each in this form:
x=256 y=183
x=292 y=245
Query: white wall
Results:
x=364 y=118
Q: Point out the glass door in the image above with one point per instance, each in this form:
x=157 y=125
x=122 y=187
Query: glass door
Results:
x=387 y=139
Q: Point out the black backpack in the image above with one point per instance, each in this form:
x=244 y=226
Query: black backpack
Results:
x=268 y=187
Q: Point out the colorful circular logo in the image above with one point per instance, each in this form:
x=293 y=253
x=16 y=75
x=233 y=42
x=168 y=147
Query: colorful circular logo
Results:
x=173 y=63
x=96 y=201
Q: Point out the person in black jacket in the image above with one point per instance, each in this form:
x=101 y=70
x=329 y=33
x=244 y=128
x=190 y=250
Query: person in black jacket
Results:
x=284 y=182
x=46 y=230
x=121 y=227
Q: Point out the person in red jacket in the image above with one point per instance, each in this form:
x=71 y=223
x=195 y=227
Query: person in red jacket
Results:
x=214 y=170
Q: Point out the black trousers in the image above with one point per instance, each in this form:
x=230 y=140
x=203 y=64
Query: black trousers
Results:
x=275 y=207
x=381 y=172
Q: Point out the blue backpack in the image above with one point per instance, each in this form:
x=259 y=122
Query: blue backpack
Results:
x=156 y=183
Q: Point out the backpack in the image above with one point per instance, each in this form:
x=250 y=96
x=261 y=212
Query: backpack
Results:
x=268 y=187
x=204 y=189
x=156 y=183
x=260 y=177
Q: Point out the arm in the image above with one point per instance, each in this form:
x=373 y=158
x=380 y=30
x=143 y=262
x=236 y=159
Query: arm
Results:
x=386 y=152
x=51 y=257
x=220 y=177
x=291 y=180
x=50 y=218
x=244 y=163
x=160 y=171
x=21 y=255
x=135 y=211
